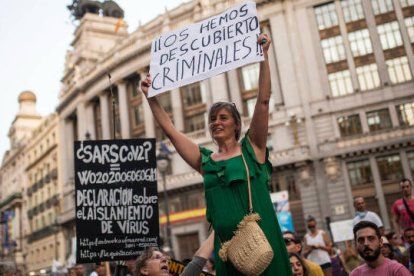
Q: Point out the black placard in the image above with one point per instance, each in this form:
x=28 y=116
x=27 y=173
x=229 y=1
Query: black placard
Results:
x=116 y=199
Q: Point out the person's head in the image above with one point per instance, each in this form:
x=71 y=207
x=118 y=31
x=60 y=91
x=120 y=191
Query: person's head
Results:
x=386 y=249
x=409 y=235
x=311 y=224
x=224 y=118
x=394 y=239
x=80 y=270
x=298 y=265
x=368 y=240
x=359 y=204
x=72 y=271
x=152 y=262
x=100 y=269
x=406 y=187
x=293 y=245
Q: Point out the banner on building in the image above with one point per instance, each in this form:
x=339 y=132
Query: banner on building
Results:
x=342 y=230
x=116 y=199
x=281 y=205
x=205 y=49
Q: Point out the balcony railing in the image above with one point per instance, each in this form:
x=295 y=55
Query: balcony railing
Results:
x=367 y=140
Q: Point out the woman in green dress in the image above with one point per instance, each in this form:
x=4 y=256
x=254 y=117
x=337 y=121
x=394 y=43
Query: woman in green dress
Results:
x=224 y=173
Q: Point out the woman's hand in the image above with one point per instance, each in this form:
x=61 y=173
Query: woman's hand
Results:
x=265 y=41
x=146 y=84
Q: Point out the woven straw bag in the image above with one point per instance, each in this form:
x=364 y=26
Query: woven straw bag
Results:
x=248 y=250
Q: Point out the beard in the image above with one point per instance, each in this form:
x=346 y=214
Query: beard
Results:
x=370 y=255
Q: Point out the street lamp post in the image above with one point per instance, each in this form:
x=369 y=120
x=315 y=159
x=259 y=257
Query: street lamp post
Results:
x=162 y=163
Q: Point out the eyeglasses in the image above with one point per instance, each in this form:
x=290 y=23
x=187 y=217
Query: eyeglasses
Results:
x=311 y=226
x=289 y=241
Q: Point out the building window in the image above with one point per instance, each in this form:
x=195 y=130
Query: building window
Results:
x=349 y=125
x=389 y=34
x=390 y=167
x=360 y=42
x=294 y=193
x=195 y=123
x=382 y=6
x=138 y=114
x=379 y=119
x=359 y=172
x=406 y=114
x=368 y=77
x=250 y=76
x=333 y=49
x=194 y=107
x=340 y=83
x=406 y=3
x=352 y=10
x=326 y=16
x=191 y=94
x=409 y=23
x=398 y=69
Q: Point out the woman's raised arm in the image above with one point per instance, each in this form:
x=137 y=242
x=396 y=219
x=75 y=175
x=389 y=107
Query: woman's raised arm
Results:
x=185 y=147
x=260 y=121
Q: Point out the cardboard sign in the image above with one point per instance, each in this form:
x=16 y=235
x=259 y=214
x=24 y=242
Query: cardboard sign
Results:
x=205 y=49
x=342 y=230
x=176 y=268
x=116 y=199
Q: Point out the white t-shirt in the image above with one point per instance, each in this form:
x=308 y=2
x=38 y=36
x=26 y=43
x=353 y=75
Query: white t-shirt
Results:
x=369 y=216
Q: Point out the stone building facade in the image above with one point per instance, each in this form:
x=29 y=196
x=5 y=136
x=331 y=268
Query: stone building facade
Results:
x=342 y=104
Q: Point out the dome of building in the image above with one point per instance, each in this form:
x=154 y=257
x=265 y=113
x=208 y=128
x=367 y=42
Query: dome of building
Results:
x=27 y=96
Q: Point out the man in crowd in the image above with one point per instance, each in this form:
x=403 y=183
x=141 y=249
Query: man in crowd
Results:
x=363 y=214
x=368 y=242
x=403 y=209
x=293 y=245
x=407 y=256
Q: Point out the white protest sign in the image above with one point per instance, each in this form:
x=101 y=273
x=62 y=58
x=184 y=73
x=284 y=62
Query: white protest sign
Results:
x=342 y=230
x=205 y=49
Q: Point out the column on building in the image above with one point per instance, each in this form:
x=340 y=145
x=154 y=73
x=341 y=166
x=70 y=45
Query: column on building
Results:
x=282 y=44
x=177 y=109
x=67 y=137
x=90 y=121
x=149 y=118
x=104 y=102
x=234 y=94
x=82 y=119
x=123 y=109
x=380 y=192
x=277 y=97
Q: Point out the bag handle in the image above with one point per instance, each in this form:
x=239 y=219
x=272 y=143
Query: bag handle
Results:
x=249 y=188
x=408 y=210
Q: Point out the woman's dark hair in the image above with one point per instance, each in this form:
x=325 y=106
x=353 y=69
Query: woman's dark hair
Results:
x=231 y=107
x=143 y=259
x=391 y=256
x=302 y=262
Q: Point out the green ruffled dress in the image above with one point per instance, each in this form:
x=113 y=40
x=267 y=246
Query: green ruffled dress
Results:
x=225 y=185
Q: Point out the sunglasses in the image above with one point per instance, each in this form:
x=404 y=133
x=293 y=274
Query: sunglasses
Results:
x=311 y=226
x=289 y=241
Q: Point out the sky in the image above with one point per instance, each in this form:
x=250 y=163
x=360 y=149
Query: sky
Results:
x=34 y=38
